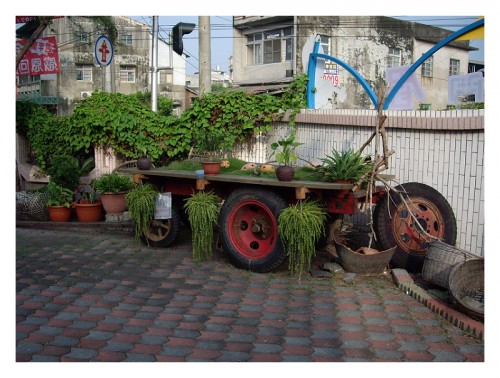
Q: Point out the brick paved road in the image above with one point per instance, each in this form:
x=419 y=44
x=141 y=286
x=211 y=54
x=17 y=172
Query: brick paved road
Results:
x=90 y=296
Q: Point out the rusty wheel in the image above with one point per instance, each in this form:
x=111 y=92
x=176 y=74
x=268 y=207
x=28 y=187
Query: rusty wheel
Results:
x=163 y=232
x=394 y=224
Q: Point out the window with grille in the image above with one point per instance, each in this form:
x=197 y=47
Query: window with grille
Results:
x=82 y=37
x=427 y=67
x=394 y=57
x=84 y=72
x=127 y=74
x=454 y=67
x=272 y=46
x=126 y=39
x=324 y=41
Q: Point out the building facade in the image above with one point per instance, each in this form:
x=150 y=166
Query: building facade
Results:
x=128 y=72
x=269 y=49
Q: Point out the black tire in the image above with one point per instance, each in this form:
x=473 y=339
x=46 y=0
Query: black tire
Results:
x=395 y=227
x=249 y=229
x=163 y=232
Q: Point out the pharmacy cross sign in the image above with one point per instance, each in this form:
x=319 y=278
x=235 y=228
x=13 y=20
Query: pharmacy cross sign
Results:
x=103 y=50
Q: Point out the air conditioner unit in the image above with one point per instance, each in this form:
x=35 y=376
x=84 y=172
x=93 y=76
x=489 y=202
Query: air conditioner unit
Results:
x=85 y=94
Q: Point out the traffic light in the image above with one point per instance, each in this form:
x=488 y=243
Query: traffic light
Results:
x=177 y=32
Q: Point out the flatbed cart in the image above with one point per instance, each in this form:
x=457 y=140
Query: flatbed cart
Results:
x=252 y=205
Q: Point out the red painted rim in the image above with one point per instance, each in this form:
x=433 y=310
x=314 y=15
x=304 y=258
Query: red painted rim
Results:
x=159 y=229
x=408 y=234
x=252 y=229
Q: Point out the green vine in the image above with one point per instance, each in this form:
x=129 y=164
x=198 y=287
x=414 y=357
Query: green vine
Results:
x=300 y=227
x=128 y=125
x=203 y=214
x=141 y=204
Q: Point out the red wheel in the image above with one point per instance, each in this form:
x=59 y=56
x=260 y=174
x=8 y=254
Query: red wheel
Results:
x=250 y=229
x=394 y=224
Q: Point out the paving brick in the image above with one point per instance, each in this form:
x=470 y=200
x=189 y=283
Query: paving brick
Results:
x=153 y=308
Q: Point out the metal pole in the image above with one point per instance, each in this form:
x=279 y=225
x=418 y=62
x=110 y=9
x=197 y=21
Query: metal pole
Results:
x=154 y=66
x=204 y=52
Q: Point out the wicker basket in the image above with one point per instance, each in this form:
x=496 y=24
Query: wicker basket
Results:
x=467 y=287
x=440 y=260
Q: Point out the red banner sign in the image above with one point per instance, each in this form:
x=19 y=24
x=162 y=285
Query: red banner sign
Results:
x=42 y=58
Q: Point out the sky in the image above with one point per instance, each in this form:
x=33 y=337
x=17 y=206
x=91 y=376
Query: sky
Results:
x=222 y=41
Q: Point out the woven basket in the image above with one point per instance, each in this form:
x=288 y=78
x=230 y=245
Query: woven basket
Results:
x=467 y=287
x=440 y=260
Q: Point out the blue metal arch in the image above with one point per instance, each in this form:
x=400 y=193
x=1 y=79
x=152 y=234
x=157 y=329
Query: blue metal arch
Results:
x=313 y=58
x=431 y=51
x=311 y=73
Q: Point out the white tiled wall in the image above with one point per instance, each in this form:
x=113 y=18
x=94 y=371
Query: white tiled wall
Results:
x=445 y=152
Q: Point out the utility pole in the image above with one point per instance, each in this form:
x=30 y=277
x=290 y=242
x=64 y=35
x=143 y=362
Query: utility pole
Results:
x=204 y=53
x=154 y=66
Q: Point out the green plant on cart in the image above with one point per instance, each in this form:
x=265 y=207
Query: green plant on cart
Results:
x=141 y=202
x=285 y=150
x=347 y=165
x=300 y=227
x=203 y=214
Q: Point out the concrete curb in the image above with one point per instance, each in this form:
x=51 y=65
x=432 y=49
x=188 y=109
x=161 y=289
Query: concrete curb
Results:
x=436 y=305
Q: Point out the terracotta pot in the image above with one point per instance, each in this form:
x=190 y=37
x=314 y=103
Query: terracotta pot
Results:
x=89 y=212
x=114 y=203
x=144 y=163
x=285 y=173
x=211 y=167
x=59 y=213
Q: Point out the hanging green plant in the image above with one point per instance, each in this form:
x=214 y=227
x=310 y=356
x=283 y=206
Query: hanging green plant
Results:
x=141 y=205
x=203 y=214
x=300 y=227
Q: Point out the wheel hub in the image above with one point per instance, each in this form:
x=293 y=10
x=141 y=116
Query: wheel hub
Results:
x=411 y=233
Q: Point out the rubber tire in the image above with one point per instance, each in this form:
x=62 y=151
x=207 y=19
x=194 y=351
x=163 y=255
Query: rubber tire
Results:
x=267 y=200
x=412 y=260
x=170 y=237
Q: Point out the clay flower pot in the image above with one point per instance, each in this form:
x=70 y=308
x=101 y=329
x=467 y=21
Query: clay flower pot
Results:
x=211 y=167
x=89 y=212
x=144 y=163
x=114 y=203
x=59 y=213
x=285 y=173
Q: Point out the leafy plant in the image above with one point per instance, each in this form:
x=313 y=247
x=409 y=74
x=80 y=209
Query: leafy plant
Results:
x=58 y=195
x=300 y=227
x=112 y=183
x=141 y=205
x=203 y=213
x=211 y=145
x=65 y=170
x=347 y=165
x=285 y=150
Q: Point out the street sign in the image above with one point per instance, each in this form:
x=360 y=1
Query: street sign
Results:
x=103 y=50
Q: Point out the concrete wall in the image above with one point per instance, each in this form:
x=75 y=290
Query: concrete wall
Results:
x=444 y=150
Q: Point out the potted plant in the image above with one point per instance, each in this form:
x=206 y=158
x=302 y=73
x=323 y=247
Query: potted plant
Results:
x=285 y=156
x=300 y=226
x=211 y=147
x=347 y=166
x=203 y=213
x=88 y=208
x=141 y=205
x=113 y=187
x=59 y=201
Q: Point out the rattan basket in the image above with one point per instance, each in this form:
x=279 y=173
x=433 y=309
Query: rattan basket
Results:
x=467 y=287
x=440 y=260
